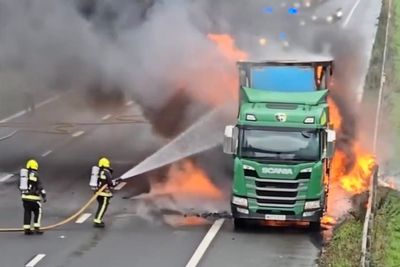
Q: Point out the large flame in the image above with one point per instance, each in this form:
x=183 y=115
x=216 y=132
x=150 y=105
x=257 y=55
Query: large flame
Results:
x=187 y=180
x=227 y=47
x=357 y=179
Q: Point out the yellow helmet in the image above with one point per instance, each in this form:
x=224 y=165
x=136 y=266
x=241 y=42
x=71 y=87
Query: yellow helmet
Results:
x=104 y=163
x=32 y=164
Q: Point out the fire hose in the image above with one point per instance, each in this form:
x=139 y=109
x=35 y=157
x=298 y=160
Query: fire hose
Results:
x=65 y=221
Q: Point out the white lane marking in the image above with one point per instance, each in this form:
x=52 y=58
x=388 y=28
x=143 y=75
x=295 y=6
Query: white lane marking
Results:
x=205 y=243
x=6 y=177
x=129 y=103
x=83 y=217
x=9 y=135
x=47 y=153
x=35 y=260
x=346 y=22
x=79 y=133
x=23 y=112
x=119 y=186
x=106 y=117
x=47 y=101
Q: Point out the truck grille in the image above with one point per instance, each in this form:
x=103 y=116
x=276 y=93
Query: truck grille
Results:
x=264 y=193
x=277 y=185
x=276 y=192
x=282 y=212
x=274 y=202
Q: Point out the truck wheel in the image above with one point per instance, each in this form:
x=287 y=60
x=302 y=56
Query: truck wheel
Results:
x=315 y=226
x=239 y=223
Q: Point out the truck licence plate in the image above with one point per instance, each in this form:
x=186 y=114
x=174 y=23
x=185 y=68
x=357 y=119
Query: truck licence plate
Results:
x=275 y=217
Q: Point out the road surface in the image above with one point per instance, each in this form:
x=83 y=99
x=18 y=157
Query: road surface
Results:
x=141 y=231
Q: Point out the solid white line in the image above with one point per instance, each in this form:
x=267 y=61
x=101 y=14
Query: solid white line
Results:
x=6 y=177
x=129 y=103
x=16 y=115
x=23 y=112
x=47 y=101
x=35 y=260
x=382 y=81
x=79 y=133
x=83 y=217
x=205 y=243
x=119 y=186
x=106 y=117
x=46 y=153
x=346 y=22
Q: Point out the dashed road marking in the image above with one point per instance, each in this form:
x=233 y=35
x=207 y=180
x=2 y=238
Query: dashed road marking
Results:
x=120 y=186
x=83 y=218
x=205 y=243
x=47 y=153
x=346 y=22
x=23 y=112
x=6 y=177
x=79 y=133
x=106 y=117
x=35 y=260
x=129 y=103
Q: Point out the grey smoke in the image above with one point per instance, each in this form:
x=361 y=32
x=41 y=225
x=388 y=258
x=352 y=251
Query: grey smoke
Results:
x=154 y=51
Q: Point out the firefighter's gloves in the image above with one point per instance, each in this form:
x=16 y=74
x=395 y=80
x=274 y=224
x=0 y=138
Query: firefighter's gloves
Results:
x=117 y=181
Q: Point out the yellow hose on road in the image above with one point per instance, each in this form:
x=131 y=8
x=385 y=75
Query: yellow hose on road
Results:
x=67 y=220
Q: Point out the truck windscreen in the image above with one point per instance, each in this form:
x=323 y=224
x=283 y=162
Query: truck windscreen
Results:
x=280 y=145
x=283 y=79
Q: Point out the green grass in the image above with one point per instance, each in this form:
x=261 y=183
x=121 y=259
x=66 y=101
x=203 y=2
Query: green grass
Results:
x=344 y=248
x=393 y=80
x=386 y=234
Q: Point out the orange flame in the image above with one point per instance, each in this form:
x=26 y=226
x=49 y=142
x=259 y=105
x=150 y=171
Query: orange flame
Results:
x=328 y=220
x=226 y=45
x=186 y=179
x=357 y=179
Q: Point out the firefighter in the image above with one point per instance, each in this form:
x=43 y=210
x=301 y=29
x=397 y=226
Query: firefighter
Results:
x=32 y=196
x=104 y=178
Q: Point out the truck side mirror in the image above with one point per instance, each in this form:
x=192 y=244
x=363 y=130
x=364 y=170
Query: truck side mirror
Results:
x=230 y=140
x=331 y=139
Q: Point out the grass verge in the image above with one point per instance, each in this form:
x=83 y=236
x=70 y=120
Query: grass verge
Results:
x=344 y=248
x=386 y=233
x=393 y=81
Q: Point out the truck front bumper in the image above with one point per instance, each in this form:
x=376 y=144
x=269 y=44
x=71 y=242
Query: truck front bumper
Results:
x=244 y=213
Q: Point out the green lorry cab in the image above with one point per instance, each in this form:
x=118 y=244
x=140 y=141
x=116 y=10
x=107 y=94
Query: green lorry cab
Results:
x=283 y=142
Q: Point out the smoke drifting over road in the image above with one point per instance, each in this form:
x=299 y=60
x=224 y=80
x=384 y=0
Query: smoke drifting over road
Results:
x=158 y=53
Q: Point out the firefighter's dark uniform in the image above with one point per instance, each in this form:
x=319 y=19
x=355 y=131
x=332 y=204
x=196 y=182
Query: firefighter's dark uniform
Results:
x=105 y=178
x=31 y=199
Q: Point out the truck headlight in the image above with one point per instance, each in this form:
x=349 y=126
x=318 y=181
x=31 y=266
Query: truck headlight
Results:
x=312 y=205
x=251 y=117
x=308 y=213
x=306 y=170
x=241 y=210
x=309 y=120
x=240 y=201
x=247 y=167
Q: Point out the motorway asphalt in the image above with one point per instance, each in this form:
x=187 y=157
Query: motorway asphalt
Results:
x=139 y=230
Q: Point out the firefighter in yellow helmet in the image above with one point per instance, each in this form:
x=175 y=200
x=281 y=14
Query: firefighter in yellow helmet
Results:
x=32 y=195
x=104 y=178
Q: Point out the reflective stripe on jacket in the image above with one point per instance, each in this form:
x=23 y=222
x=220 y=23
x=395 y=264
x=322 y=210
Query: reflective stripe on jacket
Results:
x=35 y=190
x=105 y=177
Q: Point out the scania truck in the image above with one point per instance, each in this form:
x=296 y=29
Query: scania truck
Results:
x=283 y=141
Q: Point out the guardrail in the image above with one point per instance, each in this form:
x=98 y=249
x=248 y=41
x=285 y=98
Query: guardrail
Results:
x=366 y=241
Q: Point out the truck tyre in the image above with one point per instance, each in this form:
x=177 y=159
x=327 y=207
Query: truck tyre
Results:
x=315 y=226
x=239 y=223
